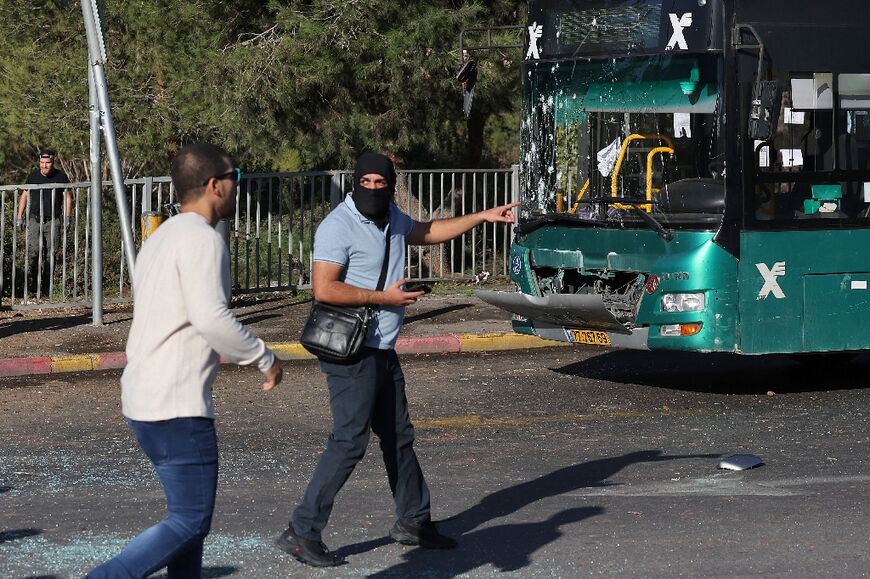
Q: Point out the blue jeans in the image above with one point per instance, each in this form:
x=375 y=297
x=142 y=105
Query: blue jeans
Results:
x=185 y=455
x=366 y=395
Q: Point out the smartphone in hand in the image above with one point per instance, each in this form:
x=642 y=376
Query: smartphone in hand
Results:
x=416 y=286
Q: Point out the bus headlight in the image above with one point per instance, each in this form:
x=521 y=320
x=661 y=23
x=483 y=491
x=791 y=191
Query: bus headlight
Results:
x=680 y=329
x=683 y=302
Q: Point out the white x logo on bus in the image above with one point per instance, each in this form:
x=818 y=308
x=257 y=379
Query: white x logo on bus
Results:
x=535 y=32
x=771 y=285
x=679 y=24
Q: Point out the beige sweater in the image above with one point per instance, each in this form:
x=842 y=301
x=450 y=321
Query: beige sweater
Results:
x=181 y=324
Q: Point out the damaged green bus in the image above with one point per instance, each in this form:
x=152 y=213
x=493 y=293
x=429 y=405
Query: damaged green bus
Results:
x=695 y=175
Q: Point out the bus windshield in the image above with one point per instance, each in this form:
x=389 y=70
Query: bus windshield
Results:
x=644 y=130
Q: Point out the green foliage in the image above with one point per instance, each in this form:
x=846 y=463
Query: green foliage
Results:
x=42 y=98
x=283 y=85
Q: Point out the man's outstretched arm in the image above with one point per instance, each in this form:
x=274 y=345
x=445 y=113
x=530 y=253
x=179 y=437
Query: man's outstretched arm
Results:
x=22 y=204
x=441 y=230
x=68 y=202
x=328 y=289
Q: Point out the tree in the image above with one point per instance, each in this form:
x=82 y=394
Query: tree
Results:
x=42 y=92
x=335 y=81
x=287 y=84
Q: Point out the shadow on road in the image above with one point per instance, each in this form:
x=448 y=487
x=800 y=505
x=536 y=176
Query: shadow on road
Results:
x=363 y=547
x=256 y=319
x=5 y=490
x=435 y=313
x=506 y=547
x=254 y=299
x=509 y=547
x=263 y=313
x=9 y=536
x=22 y=326
x=725 y=373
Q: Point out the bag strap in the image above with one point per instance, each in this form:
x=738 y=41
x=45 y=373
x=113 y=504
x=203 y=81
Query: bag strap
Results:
x=386 y=263
x=371 y=310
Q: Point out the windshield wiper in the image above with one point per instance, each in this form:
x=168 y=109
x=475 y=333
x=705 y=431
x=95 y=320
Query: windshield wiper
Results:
x=569 y=218
x=632 y=204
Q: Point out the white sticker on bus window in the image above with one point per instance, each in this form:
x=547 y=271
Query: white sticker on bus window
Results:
x=866 y=192
x=793 y=117
x=607 y=157
x=535 y=32
x=859 y=284
x=792 y=158
x=683 y=125
x=763 y=154
x=813 y=93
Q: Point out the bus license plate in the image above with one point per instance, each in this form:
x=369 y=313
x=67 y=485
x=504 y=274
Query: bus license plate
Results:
x=593 y=337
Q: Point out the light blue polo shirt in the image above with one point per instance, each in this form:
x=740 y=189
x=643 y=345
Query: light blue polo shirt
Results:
x=348 y=238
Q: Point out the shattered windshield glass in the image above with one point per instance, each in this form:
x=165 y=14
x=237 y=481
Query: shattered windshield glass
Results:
x=646 y=131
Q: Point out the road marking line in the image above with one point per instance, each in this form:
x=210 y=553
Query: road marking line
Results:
x=477 y=421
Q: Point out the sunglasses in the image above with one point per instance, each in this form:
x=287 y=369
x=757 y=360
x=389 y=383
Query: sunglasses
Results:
x=235 y=175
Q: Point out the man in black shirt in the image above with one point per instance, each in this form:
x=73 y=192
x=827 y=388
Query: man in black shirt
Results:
x=46 y=209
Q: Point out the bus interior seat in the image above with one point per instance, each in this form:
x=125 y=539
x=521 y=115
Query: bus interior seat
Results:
x=701 y=195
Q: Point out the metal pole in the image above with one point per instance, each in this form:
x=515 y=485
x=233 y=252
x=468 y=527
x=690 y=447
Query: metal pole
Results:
x=109 y=132
x=335 y=190
x=96 y=202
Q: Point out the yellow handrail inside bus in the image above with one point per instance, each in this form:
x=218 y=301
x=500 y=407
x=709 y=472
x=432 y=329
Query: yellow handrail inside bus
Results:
x=624 y=149
x=649 y=173
x=579 y=197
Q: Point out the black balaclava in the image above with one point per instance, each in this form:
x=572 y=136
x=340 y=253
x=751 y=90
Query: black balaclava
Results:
x=374 y=203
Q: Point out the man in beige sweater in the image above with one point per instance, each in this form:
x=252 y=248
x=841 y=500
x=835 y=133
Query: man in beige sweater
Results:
x=181 y=327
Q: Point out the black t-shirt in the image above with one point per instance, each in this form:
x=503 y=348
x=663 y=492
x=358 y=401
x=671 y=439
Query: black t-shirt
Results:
x=37 y=178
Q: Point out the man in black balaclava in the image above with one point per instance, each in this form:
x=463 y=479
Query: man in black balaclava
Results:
x=374 y=184
x=368 y=393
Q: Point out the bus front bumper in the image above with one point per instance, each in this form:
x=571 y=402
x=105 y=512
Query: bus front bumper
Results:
x=575 y=318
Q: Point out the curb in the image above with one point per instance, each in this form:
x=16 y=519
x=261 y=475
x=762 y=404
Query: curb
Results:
x=447 y=344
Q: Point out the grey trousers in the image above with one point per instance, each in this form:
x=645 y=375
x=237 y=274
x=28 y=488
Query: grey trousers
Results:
x=50 y=229
x=367 y=395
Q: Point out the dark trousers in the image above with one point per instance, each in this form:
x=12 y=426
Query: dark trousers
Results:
x=185 y=455
x=368 y=395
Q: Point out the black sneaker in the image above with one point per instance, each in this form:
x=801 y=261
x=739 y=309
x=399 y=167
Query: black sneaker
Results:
x=424 y=535
x=306 y=551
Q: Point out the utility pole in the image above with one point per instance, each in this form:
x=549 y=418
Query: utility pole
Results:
x=96 y=203
x=97 y=57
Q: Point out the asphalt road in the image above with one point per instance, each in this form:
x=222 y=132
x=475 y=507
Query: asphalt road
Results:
x=546 y=463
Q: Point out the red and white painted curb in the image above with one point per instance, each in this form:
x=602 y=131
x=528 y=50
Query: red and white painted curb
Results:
x=451 y=343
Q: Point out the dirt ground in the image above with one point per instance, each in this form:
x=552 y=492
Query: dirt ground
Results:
x=275 y=317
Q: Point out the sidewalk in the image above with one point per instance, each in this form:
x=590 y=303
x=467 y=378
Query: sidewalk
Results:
x=50 y=341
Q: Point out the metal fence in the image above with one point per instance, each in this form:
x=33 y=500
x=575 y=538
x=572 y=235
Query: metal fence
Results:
x=45 y=260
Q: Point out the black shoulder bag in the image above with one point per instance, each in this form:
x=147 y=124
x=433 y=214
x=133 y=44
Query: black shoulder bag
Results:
x=336 y=333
